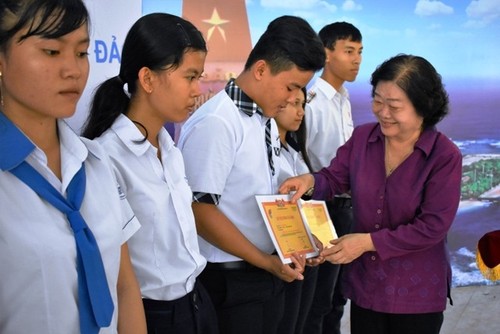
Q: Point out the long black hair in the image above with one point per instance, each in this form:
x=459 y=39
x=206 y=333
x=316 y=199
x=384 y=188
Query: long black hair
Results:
x=297 y=139
x=157 y=41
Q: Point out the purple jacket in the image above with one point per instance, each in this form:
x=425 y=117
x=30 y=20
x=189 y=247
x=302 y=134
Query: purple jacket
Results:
x=408 y=215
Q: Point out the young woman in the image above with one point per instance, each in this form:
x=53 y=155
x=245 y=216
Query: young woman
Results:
x=292 y=132
x=63 y=226
x=162 y=63
x=295 y=161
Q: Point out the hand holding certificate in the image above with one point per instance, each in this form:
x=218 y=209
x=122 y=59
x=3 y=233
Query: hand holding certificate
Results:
x=285 y=224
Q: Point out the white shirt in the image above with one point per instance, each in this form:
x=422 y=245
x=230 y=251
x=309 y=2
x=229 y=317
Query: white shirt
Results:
x=165 y=252
x=38 y=276
x=329 y=122
x=225 y=154
x=292 y=164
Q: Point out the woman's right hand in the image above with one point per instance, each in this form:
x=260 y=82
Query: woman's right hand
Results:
x=300 y=184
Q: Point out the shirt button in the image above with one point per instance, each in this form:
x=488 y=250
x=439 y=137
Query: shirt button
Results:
x=379 y=211
x=377 y=226
x=373 y=258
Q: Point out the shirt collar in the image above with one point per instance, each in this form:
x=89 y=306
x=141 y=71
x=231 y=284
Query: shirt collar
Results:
x=427 y=140
x=425 y=143
x=130 y=135
x=242 y=100
x=14 y=145
x=329 y=90
x=72 y=142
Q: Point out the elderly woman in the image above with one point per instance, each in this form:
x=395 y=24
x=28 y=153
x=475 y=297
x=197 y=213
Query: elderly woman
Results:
x=404 y=177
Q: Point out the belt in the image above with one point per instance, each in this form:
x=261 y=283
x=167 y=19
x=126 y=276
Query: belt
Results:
x=232 y=265
x=341 y=202
x=166 y=305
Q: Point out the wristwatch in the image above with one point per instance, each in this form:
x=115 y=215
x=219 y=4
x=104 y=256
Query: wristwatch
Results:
x=309 y=192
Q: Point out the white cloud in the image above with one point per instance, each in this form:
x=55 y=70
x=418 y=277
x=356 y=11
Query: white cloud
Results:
x=431 y=7
x=434 y=26
x=330 y=7
x=483 y=7
x=482 y=12
x=350 y=5
x=299 y=4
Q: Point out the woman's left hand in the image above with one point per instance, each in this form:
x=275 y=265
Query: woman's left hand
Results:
x=348 y=248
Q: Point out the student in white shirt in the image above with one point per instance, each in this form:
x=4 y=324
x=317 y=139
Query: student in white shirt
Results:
x=60 y=204
x=295 y=161
x=292 y=131
x=330 y=125
x=229 y=161
x=162 y=62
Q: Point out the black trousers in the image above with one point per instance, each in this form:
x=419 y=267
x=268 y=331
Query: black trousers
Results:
x=247 y=299
x=191 y=314
x=298 y=300
x=365 y=321
x=327 y=308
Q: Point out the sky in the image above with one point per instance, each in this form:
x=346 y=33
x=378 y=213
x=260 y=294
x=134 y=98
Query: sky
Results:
x=461 y=38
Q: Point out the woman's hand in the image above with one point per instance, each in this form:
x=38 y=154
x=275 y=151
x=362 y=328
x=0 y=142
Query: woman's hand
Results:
x=300 y=184
x=348 y=248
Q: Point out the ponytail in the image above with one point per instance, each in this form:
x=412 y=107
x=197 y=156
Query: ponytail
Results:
x=110 y=100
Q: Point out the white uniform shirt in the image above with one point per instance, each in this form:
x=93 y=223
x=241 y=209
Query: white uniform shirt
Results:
x=165 y=252
x=292 y=164
x=329 y=122
x=38 y=275
x=225 y=154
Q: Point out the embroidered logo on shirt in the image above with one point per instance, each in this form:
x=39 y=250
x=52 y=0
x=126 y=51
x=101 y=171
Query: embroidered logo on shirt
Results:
x=120 y=191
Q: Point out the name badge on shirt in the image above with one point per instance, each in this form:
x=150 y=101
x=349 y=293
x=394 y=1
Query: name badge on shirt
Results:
x=277 y=146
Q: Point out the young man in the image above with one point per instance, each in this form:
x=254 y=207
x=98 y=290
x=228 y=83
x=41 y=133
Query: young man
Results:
x=329 y=125
x=230 y=146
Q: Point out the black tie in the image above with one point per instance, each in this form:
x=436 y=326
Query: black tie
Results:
x=269 y=146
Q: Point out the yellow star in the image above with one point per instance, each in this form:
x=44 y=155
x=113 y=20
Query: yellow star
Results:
x=216 y=21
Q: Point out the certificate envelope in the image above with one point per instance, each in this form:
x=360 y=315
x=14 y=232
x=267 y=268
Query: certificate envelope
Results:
x=319 y=221
x=286 y=226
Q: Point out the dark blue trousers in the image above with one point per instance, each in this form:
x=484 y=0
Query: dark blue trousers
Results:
x=248 y=300
x=367 y=321
x=191 y=314
x=328 y=304
x=298 y=300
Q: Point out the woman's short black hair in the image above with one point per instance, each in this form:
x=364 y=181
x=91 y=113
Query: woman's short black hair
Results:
x=421 y=83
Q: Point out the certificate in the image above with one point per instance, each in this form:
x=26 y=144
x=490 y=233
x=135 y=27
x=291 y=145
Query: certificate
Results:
x=285 y=224
x=319 y=221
